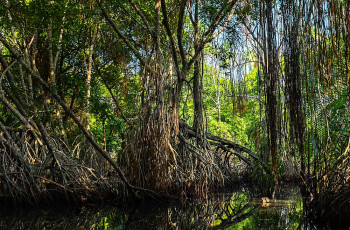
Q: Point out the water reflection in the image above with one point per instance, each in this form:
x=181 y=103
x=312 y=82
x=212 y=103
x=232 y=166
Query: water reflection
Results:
x=242 y=209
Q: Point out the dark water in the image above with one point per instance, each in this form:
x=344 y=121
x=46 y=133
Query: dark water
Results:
x=242 y=209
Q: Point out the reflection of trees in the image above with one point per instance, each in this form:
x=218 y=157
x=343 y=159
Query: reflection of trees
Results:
x=229 y=219
x=62 y=218
x=194 y=215
x=215 y=212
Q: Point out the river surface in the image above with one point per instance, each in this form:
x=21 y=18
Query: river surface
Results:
x=239 y=209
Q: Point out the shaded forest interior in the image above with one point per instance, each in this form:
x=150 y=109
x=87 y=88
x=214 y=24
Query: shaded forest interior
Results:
x=174 y=98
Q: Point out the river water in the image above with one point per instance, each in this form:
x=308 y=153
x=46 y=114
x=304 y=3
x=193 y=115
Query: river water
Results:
x=243 y=208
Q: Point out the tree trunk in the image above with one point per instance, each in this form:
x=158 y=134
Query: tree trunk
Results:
x=88 y=77
x=198 y=121
x=271 y=75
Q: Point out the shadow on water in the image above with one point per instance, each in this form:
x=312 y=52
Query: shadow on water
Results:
x=242 y=209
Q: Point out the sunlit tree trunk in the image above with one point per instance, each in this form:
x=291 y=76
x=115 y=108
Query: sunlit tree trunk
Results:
x=217 y=85
x=88 y=61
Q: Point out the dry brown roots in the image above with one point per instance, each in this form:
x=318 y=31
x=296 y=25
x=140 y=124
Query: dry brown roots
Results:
x=36 y=166
x=179 y=165
x=31 y=172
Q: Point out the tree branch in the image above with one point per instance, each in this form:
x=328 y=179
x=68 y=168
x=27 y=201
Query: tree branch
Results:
x=171 y=39
x=208 y=35
x=143 y=17
x=180 y=26
x=120 y=34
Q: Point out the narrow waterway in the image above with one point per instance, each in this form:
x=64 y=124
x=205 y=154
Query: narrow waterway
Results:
x=241 y=209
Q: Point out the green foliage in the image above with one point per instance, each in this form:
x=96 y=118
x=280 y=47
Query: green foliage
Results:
x=239 y=117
